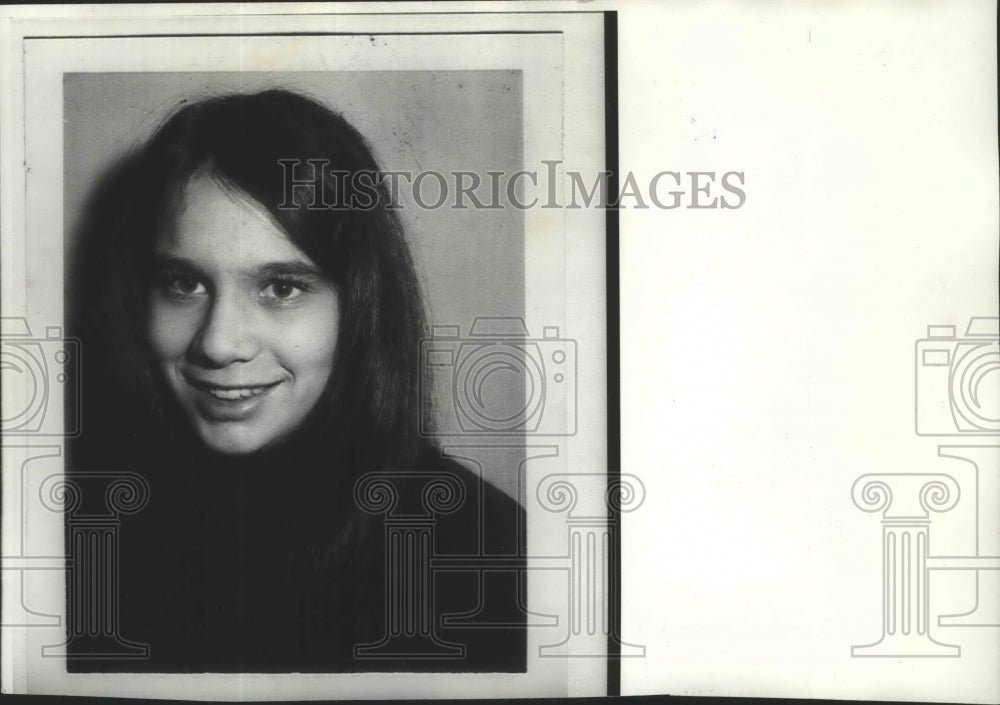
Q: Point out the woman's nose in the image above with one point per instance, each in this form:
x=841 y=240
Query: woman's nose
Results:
x=227 y=334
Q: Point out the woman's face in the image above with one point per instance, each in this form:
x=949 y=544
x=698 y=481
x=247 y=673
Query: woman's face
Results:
x=242 y=323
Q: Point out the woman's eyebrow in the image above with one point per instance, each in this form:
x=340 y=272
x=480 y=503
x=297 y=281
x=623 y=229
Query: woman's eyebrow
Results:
x=290 y=269
x=166 y=262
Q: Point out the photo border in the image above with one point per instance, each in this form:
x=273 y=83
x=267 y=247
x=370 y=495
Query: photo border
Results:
x=612 y=683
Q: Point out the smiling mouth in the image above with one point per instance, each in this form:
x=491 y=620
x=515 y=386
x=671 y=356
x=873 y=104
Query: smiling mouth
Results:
x=231 y=393
x=238 y=393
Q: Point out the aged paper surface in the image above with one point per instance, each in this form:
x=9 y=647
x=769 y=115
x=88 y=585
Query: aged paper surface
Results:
x=752 y=377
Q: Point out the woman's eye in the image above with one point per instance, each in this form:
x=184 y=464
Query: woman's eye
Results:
x=283 y=291
x=181 y=287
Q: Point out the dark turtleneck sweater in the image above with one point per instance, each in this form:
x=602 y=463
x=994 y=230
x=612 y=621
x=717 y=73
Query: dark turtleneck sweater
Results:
x=267 y=564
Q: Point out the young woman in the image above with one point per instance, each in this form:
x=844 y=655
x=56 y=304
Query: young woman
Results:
x=250 y=324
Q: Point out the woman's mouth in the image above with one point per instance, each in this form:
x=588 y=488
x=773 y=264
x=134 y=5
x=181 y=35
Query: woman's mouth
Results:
x=237 y=393
x=227 y=402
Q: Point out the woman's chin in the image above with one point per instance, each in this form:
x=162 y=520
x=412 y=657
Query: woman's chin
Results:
x=234 y=439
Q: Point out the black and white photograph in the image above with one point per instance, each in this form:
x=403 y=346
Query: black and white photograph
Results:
x=261 y=354
x=319 y=394
x=498 y=350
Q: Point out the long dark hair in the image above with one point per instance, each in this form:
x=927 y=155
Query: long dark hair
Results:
x=253 y=144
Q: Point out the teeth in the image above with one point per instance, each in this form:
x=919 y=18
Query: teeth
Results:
x=236 y=394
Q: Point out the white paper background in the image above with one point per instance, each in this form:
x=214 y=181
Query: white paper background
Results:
x=768 y=352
